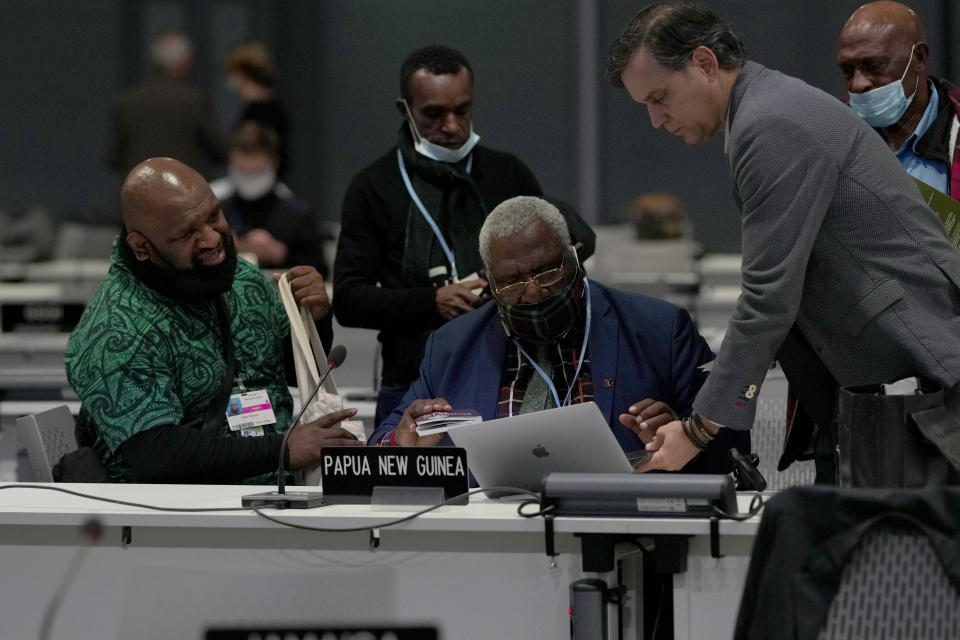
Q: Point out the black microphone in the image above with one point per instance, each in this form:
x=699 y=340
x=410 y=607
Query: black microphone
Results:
x=301 y=499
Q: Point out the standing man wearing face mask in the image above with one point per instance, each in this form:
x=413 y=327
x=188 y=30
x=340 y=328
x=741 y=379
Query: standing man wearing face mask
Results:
x=551 y=337
x=407 y=257
x=883 y=54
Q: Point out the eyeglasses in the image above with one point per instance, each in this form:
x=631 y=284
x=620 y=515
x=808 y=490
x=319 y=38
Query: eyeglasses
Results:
x=512 y=292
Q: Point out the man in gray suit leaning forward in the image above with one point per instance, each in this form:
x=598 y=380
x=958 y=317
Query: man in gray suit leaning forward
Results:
x=839 y=251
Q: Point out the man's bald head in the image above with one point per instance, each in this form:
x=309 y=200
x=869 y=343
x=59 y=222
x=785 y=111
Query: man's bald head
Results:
x=886 y=19
x=171 y=214
x=152 y=189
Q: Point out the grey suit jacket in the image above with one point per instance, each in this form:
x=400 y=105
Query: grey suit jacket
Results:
x=835 y=238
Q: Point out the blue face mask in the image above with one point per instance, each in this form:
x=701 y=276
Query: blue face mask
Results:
x=438 y=152
x=883 y=106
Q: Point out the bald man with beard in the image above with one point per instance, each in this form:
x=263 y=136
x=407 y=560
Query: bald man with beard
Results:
x=883 y=53
x=149 y=358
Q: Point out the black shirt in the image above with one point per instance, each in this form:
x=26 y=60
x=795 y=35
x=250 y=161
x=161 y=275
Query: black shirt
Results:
x=370 y=252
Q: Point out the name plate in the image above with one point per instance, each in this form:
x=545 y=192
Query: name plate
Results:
x=351 y=474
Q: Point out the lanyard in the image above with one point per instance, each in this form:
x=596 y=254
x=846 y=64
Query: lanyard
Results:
x=426 y=215
x=583 y=352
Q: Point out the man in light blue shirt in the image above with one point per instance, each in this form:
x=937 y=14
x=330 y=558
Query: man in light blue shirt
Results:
x=933 y=171
x=883 y=53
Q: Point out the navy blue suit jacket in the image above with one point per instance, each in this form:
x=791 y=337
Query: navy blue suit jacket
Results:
x=639 y=347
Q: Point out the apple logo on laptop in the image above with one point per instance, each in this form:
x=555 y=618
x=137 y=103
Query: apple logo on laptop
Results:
x=540 y=451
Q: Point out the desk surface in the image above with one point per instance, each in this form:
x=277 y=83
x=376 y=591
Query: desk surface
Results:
x=30 y=342
x=23 y=506
x=216 y=566
x=68 y=270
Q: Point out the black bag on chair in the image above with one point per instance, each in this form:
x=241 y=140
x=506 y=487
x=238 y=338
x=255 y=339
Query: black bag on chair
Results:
x=883 y=439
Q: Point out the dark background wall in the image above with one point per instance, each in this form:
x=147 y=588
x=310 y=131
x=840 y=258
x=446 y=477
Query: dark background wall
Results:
x=63 y=63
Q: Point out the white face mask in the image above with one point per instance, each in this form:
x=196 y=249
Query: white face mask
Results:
x=883 y=106
x=435 y=151
x=251 y=186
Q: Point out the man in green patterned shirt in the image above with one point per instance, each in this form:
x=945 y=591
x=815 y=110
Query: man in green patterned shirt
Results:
x=148 y=356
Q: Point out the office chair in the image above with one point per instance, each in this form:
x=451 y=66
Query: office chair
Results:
x=831 y=564
x=47 y=435
x=893 y=587
x=766 y=439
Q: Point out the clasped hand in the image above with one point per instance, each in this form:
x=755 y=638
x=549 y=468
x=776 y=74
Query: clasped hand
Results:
x=458 y=298
x=658 y=427
x=309 y=290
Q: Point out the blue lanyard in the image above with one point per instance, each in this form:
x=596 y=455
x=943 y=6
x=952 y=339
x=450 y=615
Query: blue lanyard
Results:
x=426 y=215
x=583 y=354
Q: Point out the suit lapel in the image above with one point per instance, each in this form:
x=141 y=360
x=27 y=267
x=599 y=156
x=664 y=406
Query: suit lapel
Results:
x=488 y=368
x=604 y=351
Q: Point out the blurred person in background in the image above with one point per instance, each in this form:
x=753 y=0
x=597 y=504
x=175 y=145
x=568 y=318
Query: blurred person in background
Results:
x=251 y=75
x=167 y=115
x=658 y=215
x=268 y=220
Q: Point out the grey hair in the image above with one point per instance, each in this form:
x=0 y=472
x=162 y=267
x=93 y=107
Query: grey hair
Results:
x=672 y=29
x=516 y=214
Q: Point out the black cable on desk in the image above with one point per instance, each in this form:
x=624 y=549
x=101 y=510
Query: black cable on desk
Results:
x=548 y=510
x=756 y=505
x=259 y=512
x=123 y=502
x=391 y=523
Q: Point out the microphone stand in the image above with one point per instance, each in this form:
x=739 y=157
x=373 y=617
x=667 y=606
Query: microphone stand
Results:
x=298 y=499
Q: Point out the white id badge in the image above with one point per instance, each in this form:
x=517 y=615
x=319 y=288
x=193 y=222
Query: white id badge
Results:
x=248 y=411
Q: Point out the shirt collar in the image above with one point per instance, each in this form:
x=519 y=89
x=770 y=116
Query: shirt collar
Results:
x=929 y=115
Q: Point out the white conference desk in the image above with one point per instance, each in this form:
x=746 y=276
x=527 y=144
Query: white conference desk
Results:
x=67 y=270
x=478 y=571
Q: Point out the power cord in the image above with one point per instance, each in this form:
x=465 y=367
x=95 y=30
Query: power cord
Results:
x=391 y=523
x=546 y=511
x=286 y=523
x=757 y=503
x=123 y=502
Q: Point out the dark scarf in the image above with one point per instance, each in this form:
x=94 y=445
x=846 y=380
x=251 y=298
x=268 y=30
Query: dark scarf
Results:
x=192 y=285
x=451 y=197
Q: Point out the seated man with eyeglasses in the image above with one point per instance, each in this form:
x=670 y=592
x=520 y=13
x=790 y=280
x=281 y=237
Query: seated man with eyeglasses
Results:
x=552 y=337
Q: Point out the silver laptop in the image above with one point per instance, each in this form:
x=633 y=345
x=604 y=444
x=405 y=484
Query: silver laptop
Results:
x=520 y=450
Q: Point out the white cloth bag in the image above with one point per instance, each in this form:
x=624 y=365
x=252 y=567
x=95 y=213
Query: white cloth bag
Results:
x=307 y=353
